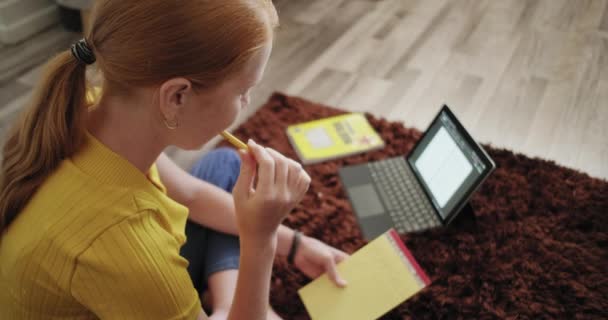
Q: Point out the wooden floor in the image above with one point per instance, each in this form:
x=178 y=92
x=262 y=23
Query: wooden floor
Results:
x=528 y=75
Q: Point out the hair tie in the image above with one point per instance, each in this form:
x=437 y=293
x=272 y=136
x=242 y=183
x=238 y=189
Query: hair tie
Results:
x=82 y=52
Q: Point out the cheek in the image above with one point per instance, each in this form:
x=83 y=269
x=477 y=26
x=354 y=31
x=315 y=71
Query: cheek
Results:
x=216 y=115
x=226 y=113
x=219 y=110
x=231 y=110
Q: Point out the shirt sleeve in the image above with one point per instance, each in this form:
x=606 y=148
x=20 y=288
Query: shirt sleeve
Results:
x=133 y=270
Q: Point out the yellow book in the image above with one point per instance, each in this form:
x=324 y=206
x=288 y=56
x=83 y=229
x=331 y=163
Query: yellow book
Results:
x=334 y=137
x=380 y=276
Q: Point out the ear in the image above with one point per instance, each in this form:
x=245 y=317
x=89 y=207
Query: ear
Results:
x=173 y=95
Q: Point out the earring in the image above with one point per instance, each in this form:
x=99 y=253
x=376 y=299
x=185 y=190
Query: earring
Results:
x=171 y=125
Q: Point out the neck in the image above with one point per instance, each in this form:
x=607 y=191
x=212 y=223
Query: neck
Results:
x=119 y=125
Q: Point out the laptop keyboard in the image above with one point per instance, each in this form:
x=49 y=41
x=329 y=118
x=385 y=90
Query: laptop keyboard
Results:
x=403 y=197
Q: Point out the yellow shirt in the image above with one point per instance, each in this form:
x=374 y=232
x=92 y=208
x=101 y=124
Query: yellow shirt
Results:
x=99 y=239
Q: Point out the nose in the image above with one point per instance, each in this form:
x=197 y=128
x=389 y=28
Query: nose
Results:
x=245 y=100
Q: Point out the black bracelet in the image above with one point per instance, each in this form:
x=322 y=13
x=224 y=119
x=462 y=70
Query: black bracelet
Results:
x=294 y=246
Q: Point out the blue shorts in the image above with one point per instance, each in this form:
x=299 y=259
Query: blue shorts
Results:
x=210 y=251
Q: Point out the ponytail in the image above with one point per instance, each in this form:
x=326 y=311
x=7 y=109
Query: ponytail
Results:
x=50 y=130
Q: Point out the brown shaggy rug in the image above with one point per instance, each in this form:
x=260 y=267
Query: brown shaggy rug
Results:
x=535 y=247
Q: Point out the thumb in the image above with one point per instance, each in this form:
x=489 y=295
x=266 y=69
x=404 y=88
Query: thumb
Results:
x=244 y=184
x=332 y=272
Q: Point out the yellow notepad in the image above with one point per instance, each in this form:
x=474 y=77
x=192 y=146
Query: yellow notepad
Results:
x=380 y=276
x=333 y=137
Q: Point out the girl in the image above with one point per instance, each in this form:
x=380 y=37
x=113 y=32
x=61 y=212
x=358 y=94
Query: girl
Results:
x=94 y=215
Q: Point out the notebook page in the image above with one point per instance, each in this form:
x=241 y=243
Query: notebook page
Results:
x=378 y=280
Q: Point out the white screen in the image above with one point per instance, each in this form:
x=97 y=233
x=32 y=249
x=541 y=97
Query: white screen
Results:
x=443 y=167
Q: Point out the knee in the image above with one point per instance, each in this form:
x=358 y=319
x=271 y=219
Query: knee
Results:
x=220 y=167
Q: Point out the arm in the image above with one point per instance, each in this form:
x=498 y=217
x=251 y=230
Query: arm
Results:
x=201 y=198
x=313 y=257
x=253 y=284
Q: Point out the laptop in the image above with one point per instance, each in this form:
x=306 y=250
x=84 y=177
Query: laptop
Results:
x=425 y=189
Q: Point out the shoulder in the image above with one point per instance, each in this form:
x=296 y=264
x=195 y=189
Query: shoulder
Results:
x=133 y=231
x=132 y=263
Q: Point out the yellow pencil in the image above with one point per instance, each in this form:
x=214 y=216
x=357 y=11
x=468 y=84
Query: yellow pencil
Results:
x=234 y=140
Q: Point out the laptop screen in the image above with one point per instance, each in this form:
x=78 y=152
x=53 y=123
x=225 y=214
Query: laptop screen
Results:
x=448 y=163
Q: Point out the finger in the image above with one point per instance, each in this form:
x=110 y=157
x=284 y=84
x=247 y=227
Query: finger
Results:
x=281 y=168
x=339 y=255
x=303 y=182
x=294 y=172
x=244 y=184
x=266 y=166
x=332 y=272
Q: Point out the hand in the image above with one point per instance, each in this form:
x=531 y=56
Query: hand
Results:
x=314 y=258
x=281 y=184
